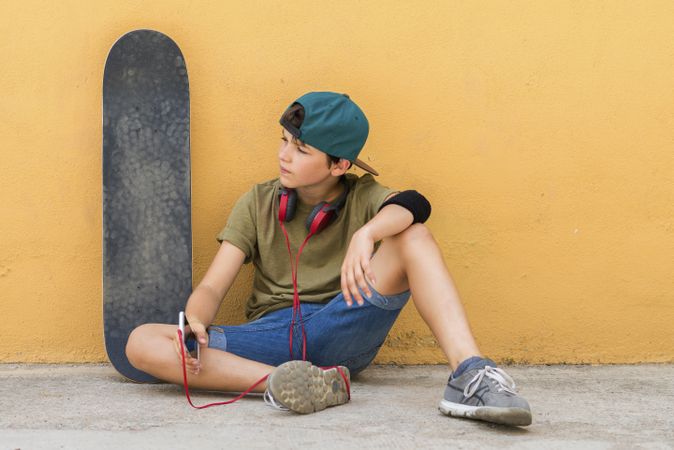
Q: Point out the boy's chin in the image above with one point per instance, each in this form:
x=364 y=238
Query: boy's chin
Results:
x=287 y=182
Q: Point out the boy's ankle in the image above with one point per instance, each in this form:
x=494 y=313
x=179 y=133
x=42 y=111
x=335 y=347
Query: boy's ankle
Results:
x=474 y=362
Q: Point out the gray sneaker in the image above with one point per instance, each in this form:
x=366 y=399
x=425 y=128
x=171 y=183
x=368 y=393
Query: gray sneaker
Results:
x=487 y=394
x=304 y=388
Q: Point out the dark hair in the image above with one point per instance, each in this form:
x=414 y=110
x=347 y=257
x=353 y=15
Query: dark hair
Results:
x=295 y=115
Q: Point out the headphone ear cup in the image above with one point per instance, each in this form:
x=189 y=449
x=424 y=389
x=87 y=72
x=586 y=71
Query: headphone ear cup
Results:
x=313 y=214
x=287 y=205
x=325 y=213
x=321 y=216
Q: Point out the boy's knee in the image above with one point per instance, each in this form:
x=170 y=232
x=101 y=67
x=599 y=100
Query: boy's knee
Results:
x=134 y=345
x=407 y=241
x=413 y=233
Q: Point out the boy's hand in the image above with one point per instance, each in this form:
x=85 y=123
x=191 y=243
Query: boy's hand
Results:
x=356 y=267
x=198 y=329
x=193 y=365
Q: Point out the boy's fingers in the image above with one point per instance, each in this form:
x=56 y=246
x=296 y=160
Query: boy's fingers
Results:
x=359 y=284
x=349 y=286
x=367 y=270
x=354 y=288
x=202 y=338
x=200 y=334
x=363 y=284
x=345 y=288
x=191 y=363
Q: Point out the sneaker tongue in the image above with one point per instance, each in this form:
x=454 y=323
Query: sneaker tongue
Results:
x=472 y=363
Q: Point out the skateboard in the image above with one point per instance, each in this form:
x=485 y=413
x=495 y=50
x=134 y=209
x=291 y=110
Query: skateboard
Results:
x=147 y=230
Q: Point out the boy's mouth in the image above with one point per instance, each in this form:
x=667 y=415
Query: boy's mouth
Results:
x=283 y=170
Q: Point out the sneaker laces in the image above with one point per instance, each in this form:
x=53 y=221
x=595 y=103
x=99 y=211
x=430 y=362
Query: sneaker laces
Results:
x=270 y=401
x=502 y=379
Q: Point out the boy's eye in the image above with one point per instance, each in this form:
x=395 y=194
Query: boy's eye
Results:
x=283 y=138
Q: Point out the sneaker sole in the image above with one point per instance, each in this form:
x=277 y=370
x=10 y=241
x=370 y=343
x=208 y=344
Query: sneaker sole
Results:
x=504 y=416
x=305 y=388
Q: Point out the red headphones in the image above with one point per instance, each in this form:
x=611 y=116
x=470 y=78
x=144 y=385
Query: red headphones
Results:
x=321 y=216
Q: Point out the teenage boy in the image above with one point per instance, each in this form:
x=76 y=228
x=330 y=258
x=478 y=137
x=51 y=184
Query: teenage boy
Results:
x=363 y=250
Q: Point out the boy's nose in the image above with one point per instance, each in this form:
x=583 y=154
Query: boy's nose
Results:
x=283 y=154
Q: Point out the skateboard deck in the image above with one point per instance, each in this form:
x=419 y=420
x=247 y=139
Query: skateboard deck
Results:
x=147 y=231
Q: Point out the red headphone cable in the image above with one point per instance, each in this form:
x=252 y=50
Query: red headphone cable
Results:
x=297 y=309
x=187 y=390
x=247 y=391
x=297 y=313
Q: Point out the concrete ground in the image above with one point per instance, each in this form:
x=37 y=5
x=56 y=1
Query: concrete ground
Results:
x=90 y=406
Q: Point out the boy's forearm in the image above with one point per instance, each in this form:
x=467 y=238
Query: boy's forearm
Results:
x=202 y=305
x=206 y=298
x=391 y=220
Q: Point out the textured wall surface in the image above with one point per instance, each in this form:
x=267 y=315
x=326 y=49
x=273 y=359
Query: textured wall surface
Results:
x=541 y=132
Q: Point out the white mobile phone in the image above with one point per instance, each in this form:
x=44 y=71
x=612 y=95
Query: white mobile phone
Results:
x=181 y=325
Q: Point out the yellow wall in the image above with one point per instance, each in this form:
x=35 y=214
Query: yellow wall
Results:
x=542 y=133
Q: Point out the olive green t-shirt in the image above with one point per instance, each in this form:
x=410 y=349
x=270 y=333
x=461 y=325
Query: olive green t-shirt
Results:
x=253 y=227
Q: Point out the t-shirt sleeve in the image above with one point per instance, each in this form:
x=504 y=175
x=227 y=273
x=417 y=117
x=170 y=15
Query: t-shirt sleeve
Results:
x=241 y=227
x=372 y=194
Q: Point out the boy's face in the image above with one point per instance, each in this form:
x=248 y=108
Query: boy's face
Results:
x=305 y=165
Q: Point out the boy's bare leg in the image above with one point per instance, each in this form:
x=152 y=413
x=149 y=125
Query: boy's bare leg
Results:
x=479 y=390
x=412 y=260
x=150 y=348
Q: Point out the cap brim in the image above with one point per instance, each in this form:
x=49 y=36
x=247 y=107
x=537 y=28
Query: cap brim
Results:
x=365 y=167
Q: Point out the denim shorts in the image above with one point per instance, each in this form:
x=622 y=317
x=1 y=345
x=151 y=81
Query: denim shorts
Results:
x=336 y=334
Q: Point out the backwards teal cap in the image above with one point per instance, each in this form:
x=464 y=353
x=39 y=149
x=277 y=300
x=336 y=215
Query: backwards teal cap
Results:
x=332 y=123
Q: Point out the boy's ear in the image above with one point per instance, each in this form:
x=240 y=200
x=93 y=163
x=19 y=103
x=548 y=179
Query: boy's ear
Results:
x=340 y=167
